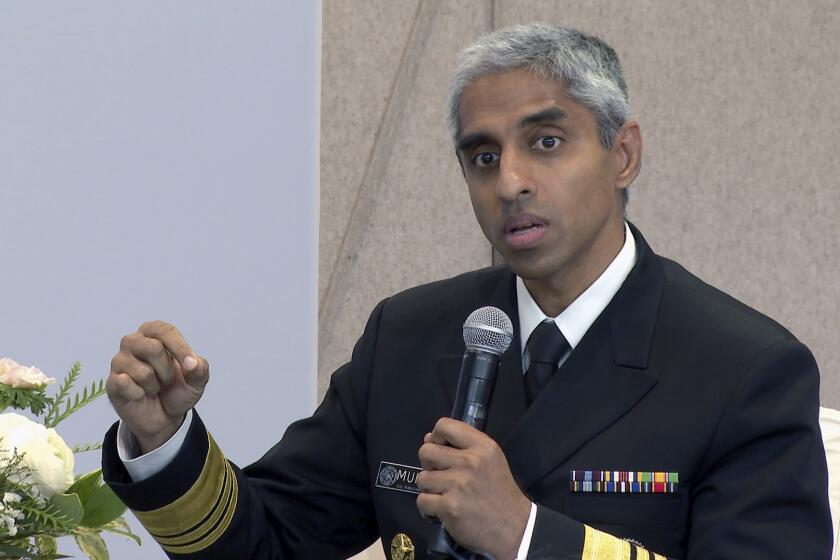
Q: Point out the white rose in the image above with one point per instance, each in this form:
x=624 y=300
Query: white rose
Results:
x=22 y=377
x=6 y=364
x=42 y=449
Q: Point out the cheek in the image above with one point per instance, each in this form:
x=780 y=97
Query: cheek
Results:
x=588 y=187
x=482 y=205
x=580 y=199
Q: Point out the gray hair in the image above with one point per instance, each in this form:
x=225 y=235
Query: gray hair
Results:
x=585 y=64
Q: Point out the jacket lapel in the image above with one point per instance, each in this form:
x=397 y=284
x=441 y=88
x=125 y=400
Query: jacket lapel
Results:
x=605 y=376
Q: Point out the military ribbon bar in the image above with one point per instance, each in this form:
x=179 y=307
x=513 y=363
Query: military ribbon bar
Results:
x=624 y=482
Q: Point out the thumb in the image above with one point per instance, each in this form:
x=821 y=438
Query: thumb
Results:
x=198 y=375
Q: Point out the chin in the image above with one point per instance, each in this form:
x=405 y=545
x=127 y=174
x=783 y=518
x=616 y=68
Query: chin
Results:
x=528 y=268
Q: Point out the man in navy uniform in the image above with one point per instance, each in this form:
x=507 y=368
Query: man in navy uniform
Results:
x=639 y=412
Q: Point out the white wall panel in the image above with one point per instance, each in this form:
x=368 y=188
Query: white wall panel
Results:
x=160 y=160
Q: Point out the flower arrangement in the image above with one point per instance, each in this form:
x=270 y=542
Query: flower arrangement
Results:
x=41 y=498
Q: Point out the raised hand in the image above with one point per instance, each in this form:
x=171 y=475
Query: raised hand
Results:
x=155 y=379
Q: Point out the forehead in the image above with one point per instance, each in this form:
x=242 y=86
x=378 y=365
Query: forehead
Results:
x=497 y=101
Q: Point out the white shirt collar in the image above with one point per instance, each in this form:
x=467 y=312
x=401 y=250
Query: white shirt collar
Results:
x=576 y=319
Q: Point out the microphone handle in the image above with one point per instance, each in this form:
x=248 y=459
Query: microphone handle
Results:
x=472 y=399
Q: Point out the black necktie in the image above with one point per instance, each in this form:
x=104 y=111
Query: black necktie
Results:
x=545 y=346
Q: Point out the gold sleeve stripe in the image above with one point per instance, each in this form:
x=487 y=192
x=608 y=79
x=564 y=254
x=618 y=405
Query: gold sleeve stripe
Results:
x=598 y=545
x=208 y=523
x=220 y=527
x=197 y=518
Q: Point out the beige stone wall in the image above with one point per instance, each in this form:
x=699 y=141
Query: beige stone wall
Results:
x=394 y=212
x=738 y=106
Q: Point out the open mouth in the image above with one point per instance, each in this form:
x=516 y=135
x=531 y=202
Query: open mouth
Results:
x=524 y=223
x=524 y=231
x=525 y=228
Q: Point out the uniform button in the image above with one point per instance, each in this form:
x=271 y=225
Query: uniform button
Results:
x=401 y=547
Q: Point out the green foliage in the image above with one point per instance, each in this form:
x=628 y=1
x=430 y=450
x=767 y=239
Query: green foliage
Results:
x=101 y=506
x=35 y=400
x=10 y=466
x=55 y=413
x=119 y=527
x=43 y=548
x=39 y=516
x=46 y=545
x=86 y=484
x=69 y=507
x=91 y=543
x=85 y=510
x=80 y=400
x=50 y=519
x=25 y=550
x=15 y=550
x=83 y=447
x=48 y=548
x=64 y=390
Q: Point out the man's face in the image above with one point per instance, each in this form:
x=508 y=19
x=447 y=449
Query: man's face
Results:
x=545 y=191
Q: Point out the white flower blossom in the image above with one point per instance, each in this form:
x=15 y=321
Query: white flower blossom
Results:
x=22 y=377
x=11 y=498
x=9 y=523
x=7 y=364
x=42 y=450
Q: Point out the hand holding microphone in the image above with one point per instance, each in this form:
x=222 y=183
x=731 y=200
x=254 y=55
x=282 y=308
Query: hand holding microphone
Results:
x=466 y=482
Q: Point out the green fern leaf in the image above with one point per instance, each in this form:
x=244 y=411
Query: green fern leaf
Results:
x=63 y=392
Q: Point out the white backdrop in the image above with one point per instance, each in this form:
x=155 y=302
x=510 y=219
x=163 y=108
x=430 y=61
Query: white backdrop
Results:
x=160 y=160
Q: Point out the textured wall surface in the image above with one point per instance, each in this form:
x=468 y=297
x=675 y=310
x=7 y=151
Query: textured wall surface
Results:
x=394 y=209
x=737 y=102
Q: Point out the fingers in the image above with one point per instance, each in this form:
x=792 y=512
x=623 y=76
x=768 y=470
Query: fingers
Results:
x=137 y=348
x=140 y=373
x=436 y=482
x=434 y=456
x=433 y=505
x=122 y=388
x=152 y=358
x=455 y=433
x=162 y=346
x=172 y=341
x=466 y=482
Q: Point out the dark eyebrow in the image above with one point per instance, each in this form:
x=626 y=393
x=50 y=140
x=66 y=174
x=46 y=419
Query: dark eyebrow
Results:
x=468 y=142
x=552 y=114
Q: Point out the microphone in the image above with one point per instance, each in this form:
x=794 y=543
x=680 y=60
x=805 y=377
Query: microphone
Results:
x=488 y=332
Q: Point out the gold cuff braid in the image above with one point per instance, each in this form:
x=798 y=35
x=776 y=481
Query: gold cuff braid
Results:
x=202 y=514
x=598 y=545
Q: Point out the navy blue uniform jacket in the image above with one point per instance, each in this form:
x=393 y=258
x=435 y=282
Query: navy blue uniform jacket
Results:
x=674 y=376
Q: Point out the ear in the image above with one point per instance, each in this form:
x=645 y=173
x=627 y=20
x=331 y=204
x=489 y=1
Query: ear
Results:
x=627 y=153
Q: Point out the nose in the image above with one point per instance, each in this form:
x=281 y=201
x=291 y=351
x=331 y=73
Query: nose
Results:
x=514 y=180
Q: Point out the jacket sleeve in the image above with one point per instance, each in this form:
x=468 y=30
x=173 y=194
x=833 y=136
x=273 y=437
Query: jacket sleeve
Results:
x=761 y=492
x=308 y=497
x=559 y=537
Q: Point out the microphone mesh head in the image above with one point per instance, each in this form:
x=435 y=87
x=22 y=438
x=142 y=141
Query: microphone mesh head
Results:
x=488 y=328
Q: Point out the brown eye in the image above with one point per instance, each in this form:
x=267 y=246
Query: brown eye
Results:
x=485 y=159
x=547 y=143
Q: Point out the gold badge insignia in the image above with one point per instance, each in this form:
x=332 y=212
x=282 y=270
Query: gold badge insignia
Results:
x=401 y=547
